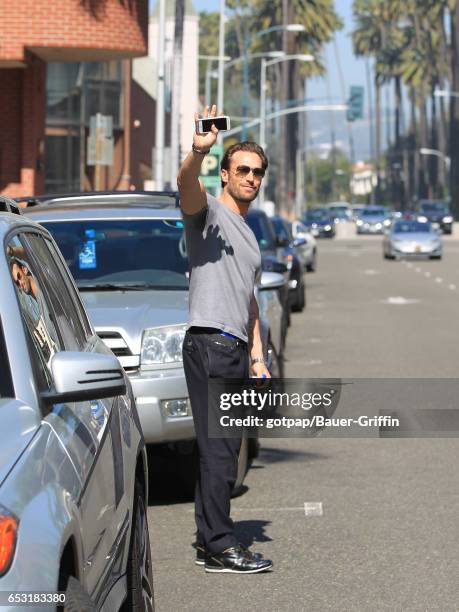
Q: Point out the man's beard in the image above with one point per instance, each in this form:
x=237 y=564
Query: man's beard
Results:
x=242 y=198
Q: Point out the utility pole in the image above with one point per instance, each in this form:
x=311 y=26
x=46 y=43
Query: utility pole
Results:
x=159 y=126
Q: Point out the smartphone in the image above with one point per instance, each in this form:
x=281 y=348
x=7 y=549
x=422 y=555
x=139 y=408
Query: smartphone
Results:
x=222 y=123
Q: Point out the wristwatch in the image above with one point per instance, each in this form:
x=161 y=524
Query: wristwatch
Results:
x=258 y=360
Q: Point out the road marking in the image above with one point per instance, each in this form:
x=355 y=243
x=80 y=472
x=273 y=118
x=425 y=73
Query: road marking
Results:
x=438 y=279
x=314 y=340
x=409 y=265
x=313 y=509
x=418 y=269
x=399 y=301
x=427 y=274
x=452 y=287
x=311 y=362
x=372 y=272
x=266 y=509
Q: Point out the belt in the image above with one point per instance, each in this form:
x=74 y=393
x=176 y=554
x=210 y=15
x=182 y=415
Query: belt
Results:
x=214 y=330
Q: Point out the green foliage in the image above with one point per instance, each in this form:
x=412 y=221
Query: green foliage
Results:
x=328 y=180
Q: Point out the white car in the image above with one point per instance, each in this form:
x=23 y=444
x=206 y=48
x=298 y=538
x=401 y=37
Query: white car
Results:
x=306 y=245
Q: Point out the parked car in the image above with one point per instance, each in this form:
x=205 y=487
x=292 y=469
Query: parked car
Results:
x=339 y=211
x=273 y=259
x=297 y=287
x=73 y=465
x=412 y=238
x=373 y=220
x=438 y=213
x=306 y=245
x=127 y=254
x=319 y=223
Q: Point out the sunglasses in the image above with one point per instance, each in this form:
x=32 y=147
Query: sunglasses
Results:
x=245 y=170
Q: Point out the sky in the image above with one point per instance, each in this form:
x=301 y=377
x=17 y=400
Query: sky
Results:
x=354 y=73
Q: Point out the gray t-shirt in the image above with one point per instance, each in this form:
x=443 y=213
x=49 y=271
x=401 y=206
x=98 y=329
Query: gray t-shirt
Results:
x=224 y=262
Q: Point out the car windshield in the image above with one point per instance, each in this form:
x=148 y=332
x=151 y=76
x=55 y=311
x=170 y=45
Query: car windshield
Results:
x=411 y=227
x=434 y=207
x=338 y=211
x=131 y=254
x=263 y=231
x=317 y=215
x=372 y=212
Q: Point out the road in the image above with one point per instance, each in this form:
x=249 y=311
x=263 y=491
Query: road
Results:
x=384 y=529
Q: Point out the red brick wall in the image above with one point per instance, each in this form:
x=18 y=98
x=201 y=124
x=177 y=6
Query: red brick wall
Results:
x=118 y=25
x=22 y=125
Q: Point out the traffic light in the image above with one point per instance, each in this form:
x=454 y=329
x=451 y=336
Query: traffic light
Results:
x=355 y=103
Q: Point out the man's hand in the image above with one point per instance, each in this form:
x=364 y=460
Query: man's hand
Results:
x=259 y=370
x=204 y=141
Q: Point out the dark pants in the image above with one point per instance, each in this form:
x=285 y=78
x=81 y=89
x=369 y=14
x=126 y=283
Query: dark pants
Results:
x=208 y=354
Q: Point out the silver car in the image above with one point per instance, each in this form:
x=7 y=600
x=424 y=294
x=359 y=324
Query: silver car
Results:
x=410 y=238
x=127 y=254
x=73 y=465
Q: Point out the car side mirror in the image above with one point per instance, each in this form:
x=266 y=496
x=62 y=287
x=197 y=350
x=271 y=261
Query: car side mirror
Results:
x=271 y=280
x=82 y=376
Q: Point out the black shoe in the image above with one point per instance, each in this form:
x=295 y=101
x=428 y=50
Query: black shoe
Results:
x=237 y=560
x=201 y=553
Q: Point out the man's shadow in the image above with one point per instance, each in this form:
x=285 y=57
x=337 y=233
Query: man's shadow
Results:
x=211 y=247
x=249 y=532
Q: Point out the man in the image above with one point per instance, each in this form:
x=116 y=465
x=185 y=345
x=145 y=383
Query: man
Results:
x=223 y=337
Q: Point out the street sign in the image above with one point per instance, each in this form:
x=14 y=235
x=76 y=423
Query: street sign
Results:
x=210 y=169
x=355 y=102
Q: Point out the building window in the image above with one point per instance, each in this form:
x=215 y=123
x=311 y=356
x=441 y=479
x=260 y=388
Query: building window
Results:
x=75 y=91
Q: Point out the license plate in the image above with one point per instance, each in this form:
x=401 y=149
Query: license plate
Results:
x=418 y=248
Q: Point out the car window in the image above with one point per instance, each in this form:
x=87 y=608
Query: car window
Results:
x=411 y=227
x=263 y=231
x=141 y=252
x=6 y=385
x=36 y=310
x=67 y=318
x=280 y=229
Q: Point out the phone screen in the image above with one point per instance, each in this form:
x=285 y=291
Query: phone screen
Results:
x=221 y=123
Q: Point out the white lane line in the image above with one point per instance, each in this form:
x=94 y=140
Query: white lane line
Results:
x=418 y=269
x=311 y=362
x=313 y=340
x=438 y=279
x=313 y=509
x=398 y=300
x=427 y=274
x=452 y=287
x=409 y=265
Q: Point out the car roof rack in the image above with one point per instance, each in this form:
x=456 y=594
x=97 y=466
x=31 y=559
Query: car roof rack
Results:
x=9 y=205
x=54 y=198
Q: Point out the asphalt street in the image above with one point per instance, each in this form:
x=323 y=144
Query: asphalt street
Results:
x=351 y=524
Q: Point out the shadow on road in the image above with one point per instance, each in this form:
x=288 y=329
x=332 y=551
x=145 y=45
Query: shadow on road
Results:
x=275 y=455
x=252 y=531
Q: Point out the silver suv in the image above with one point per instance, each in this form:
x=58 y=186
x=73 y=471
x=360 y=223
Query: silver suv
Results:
x=127 y=254
x=73 y=465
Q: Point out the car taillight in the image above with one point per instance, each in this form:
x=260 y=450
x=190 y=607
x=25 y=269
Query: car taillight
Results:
x=8 y=530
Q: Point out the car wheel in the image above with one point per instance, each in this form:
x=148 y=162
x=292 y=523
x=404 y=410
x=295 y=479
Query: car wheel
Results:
x=299 y=301
x=438 y=257
x=275 y=361
x=312 y=265
x=140 y=594
x=76 y=598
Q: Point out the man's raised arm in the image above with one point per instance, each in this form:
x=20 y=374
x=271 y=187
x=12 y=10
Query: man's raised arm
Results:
x=192 y=193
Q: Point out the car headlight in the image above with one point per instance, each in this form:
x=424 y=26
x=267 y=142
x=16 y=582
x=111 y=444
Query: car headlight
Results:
x=422 y=219
x=327 y=228
x=447 y=219
x=359 y=222
x=162 y=345
x=378 y=225
x=387 y=222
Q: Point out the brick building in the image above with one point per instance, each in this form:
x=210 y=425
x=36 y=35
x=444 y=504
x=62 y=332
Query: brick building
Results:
x=34 y=33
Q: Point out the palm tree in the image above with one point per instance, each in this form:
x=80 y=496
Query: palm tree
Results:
x=320 y=21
